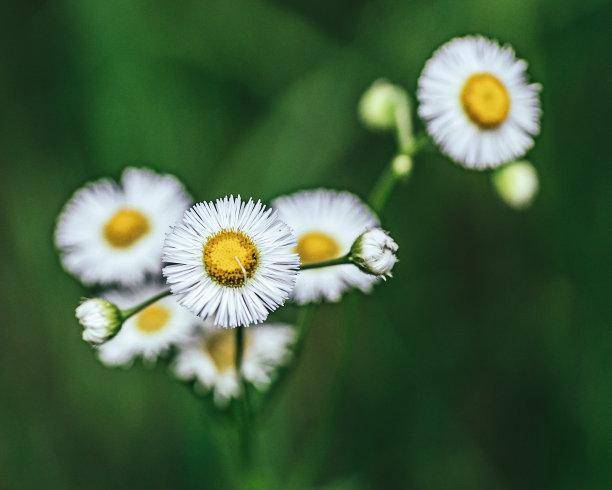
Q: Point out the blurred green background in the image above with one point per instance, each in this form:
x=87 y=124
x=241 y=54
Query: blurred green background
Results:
x=484 y=364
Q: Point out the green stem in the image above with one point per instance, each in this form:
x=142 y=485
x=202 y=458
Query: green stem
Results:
x=403 y=125
x=316 y=448
x=132 y=311
x=326 y=263
x=388 y=178
x=303 y=325
x=382 y=189
x=245 y=433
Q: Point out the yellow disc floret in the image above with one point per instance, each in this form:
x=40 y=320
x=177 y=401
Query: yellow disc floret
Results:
x=230 y=258
x=125 y=228
x=316 y=246
x=221 y=347
x=152 y=319
x=485 y=100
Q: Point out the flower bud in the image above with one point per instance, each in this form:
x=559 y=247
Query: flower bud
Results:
x=517 y=184
x=100 y=319
x=402 y=165
x=378 y=105
x=374 y=252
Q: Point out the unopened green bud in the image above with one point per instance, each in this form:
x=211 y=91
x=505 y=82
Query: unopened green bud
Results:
x=517 y=184
x=402 y=165
x=378 y=105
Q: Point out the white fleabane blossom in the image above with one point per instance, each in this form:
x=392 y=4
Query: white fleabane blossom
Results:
x=209 y=357
x=477 y=102
x=110 y=233
x=375 y=252
x=326 y=223
x=99 y=318
x=231 y=261
x=149 y=333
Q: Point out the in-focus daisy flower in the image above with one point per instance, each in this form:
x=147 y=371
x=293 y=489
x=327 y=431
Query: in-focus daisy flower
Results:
x=375 y=252
x=231 y=261
x=150 y=332
x=517 y=184
x=100 y=320
x=477 y=102
x=111 y=233
x=209 y=358
x=326 y=223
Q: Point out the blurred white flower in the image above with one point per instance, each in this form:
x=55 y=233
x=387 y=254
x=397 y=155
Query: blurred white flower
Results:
x=99 y=318
x=375 y=252
x=517 y=184
x=108 y=233
x=477 y=103
x=150 y=332
x=326 y=223
x=231 y=261
x=209 y=358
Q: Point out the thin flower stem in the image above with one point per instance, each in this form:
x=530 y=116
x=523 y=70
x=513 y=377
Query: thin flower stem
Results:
x=382 y=189
x=316 y=449
x=303 y=325
x=315 y=454
x=403 y=125
x=132 y=311
x=388 y=178
x=345 y=259
x=244 y=429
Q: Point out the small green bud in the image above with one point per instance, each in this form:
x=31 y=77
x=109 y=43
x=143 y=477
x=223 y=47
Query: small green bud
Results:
x=517 y=184
x=402 y=165
x=378 y=105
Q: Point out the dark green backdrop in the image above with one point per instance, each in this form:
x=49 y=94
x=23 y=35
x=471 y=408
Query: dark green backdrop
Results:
x=486 y=363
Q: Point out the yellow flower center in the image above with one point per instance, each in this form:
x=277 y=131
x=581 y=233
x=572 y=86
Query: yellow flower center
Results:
x=485 y=100
x=152 y=319
x=316 y=246
x=230 y=258
x=221 y=347
x=125 y=228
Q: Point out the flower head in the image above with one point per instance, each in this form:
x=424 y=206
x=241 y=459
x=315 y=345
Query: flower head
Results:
x=100 y=320
x=209 y=358
x=375 y=252
x=477 y=102
x=231 y=261
x=517 y=184
x=150 y=332
x=108 y=233
x=326 y=223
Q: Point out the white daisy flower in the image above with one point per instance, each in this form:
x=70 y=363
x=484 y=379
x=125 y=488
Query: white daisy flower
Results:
x=150 y=332
x=375 y=252
x=326 y=223
x=99 y=318
x=108 y=233
x=231 y=261
x=477 y=102
x=209 y=358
